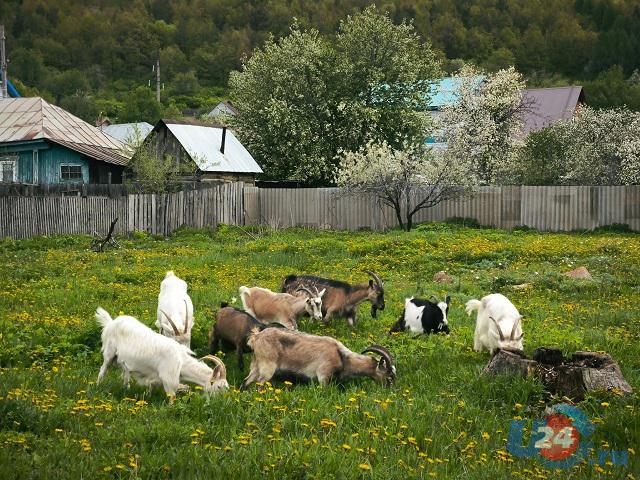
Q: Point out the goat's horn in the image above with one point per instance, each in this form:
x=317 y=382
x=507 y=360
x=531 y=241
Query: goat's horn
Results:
x=186 y=315
x=173 y=325
x=498 y=327
x=513 y=330
x=381 y=351
x=302 y=288
x=376 y=277
x=218 y=363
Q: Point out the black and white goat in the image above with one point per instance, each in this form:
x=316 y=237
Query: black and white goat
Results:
x=423 y=316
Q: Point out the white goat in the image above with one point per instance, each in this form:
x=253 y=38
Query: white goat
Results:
x=496 y=315
x=154 y=359
x=175 y=310
x=268 y=306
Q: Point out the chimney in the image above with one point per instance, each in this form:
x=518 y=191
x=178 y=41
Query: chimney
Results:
x=224 y=136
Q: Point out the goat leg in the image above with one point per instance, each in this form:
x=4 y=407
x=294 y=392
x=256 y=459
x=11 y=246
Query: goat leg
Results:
x=239 y=354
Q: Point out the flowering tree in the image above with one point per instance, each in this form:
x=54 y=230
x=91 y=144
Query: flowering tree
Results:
x=306 y=96
x=408 y=179
x=603 y=147
x=595 y=147
x=483 y=127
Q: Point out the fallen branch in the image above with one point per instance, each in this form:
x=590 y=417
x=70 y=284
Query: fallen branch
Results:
x=98 y=244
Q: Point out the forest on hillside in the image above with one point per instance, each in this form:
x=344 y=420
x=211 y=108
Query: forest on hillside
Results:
x=95 y=57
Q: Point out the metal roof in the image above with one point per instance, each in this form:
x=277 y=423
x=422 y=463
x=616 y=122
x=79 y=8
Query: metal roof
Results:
x=23 y=119
x=444 y=92
x=202 y=143
x=128 y=132
x=549 y=105
x=226 y=107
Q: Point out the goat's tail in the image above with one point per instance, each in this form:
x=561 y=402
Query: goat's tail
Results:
x=472 y=305
x=244 y=295
x=103 y=317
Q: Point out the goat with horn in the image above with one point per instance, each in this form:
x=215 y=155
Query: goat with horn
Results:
x=153 y=359
x=175 y=310
x=496 y=316
x=283 y=308
x=341 y=299
x=281 y=352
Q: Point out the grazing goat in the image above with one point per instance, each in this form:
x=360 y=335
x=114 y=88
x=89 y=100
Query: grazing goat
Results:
x=283 y=352
x=154 y=359
x=175 y=310
x=496 y=315
x=268 y=306
x=423 y=316
x=233 y=327
x=341 y=299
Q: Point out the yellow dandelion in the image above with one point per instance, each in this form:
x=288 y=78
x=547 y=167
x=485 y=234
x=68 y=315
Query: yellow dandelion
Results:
x=486 y=435
x=346 y=446
x=604 y=404
x=364 y=467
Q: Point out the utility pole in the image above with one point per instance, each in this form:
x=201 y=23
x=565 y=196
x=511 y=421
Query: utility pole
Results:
x=3 y=65
x=158 y=79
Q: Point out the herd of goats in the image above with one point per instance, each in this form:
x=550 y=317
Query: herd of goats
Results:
x=268 y=326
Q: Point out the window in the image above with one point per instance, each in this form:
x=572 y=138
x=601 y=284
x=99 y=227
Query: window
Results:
x=8 y=170
x=71 y=172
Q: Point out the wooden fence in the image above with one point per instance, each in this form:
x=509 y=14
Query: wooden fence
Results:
x=543 y=208
x=159 y=214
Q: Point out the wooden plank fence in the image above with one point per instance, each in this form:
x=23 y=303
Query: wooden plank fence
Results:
x=563 y=208
x=158 y=214
x=544 y=208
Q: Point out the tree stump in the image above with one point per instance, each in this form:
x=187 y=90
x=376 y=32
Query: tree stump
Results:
x=583 y=372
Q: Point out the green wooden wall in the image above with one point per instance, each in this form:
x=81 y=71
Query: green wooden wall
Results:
x=50 y=157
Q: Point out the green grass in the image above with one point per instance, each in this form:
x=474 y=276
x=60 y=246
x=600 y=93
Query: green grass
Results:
x=442 y=418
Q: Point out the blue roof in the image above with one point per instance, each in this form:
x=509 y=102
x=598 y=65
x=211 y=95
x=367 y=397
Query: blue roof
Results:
x=444 y=92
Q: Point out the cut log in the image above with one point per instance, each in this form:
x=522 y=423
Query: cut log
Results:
x=584 y=372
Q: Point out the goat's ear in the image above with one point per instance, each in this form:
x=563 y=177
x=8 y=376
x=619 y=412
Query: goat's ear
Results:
x=370 y=283
x=447 y=299
x=322 y=292
x=382 y=364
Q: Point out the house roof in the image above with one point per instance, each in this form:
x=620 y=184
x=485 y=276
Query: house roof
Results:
x=23 y=119
x=549 y=105
x=444 y=92
x=127 y=132
x=224 y=107
x=202 y=143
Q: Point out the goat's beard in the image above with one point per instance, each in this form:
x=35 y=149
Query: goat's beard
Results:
x=374 y=311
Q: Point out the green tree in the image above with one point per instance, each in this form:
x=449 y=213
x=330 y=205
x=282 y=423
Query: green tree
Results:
x=140 y=105
x=83 y=106
x=304 y=98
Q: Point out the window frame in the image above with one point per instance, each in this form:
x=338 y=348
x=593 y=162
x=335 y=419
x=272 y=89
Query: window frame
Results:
x=72 y=180
x=13 y=160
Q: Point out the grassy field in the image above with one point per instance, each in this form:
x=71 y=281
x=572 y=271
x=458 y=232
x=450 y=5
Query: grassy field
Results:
x=442 y=419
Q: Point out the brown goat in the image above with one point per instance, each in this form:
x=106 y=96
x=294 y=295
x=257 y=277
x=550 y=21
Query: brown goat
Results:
x=268 y=306
x=286 y=352
x=233 y=327
x=341 y=299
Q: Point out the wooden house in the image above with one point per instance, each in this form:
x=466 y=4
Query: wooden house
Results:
x=41 y=143
x=216 y=152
